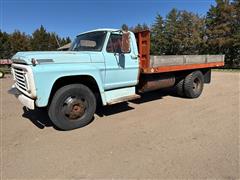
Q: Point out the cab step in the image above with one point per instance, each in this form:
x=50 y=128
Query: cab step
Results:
x=124 y=99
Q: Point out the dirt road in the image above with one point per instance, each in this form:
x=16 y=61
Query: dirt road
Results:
x=159 y=136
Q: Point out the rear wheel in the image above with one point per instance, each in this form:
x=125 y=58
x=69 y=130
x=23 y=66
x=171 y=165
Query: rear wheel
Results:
x=179 y=88
x=1 y=74
x=193 y=84
x=72 y=106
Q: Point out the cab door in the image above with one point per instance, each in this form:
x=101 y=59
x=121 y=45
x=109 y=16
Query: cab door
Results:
x=121 y=68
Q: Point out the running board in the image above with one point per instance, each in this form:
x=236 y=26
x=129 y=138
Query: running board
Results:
x=124 y=99
x=120 y=95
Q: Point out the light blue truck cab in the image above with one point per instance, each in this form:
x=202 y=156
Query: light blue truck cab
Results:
x=95 y=61
x=103 y=66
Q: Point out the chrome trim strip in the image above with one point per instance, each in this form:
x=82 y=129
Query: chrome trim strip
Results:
x=19 y=61
x=41 y=61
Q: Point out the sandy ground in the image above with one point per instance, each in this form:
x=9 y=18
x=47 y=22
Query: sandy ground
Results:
x=159 y=136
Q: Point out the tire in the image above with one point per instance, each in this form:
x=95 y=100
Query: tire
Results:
x=73 y=106
x=179 y=88
x=193 y=84
x=1 y=74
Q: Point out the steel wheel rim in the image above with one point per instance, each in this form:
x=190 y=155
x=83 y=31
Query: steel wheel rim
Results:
x=74 y=108
x=196 y=84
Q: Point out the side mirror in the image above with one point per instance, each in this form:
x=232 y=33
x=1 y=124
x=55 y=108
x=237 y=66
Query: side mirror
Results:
x=125 y=42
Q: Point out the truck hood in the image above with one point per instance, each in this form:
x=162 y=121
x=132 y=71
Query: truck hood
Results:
x=42 y=57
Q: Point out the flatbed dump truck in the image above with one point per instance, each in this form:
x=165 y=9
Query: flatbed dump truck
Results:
x=104 y=66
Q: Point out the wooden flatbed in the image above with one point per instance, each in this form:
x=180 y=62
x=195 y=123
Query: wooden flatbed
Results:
x=150 y=64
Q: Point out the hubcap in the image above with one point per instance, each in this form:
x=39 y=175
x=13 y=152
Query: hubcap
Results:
x=74 y=108
x=196 y=84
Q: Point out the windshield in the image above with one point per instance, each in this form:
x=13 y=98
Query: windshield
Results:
x=92 y=41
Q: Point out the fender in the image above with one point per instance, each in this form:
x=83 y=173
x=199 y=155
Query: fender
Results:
x=46 y=75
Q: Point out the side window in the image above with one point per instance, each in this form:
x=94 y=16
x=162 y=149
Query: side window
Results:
x=115 y=43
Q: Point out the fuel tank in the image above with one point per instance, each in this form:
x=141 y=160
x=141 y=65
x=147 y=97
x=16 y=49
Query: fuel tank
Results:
x=155 y=81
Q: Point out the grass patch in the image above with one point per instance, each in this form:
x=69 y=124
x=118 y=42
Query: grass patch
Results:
x=226 y=70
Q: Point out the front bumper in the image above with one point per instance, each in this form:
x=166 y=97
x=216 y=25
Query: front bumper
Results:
x=26 y=101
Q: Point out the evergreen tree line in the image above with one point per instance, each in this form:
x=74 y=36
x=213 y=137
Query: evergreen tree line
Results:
x=182 y=32
x=40 y=40
x=179 y=33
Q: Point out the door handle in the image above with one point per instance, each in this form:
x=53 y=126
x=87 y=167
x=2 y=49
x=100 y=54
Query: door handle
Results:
x=134 y=57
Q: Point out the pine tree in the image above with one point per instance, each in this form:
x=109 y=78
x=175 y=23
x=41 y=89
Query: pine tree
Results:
x=236 y=34
x=65 y=41
x=54 y=42
x=184 y=33
x=139 y=27
x=19 y=42
x=190 y=32
x=68 y=40
x=158 y=40
x=220 y=30
x=5 y=45
x=40 y=39
x=171 y=32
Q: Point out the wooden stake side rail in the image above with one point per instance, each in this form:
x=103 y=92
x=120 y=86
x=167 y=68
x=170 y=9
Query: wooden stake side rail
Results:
x=150 y=66
x=162 y=69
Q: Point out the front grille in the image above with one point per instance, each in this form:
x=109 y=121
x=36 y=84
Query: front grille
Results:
x=20 y=78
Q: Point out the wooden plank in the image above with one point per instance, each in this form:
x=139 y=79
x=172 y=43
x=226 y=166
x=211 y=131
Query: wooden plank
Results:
x=162 y=69
x=176 y=60
x=156 y=61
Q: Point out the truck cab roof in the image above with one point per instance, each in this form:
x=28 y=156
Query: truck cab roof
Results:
x=102 y=29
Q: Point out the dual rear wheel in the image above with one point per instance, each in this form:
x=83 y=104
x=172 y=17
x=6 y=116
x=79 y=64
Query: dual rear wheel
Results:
x=191 y=86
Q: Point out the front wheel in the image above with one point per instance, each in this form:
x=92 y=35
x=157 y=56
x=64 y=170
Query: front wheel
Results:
x=72 y=106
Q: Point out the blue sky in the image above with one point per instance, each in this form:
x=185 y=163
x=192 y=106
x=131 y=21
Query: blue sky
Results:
x=69 y=17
